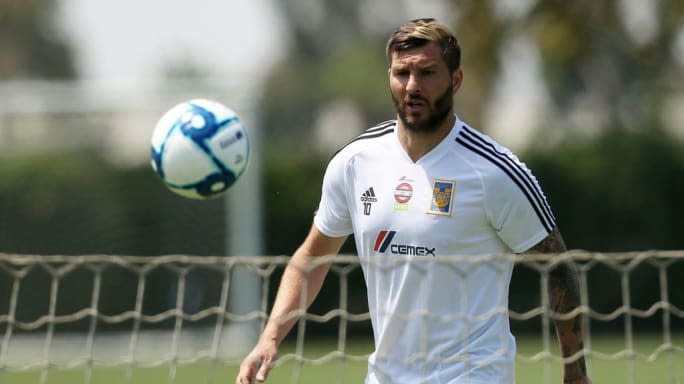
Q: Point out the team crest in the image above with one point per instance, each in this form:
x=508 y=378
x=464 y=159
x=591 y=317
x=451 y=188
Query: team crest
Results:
x=442 y=197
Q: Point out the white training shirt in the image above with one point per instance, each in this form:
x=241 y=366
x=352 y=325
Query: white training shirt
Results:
x=435 y=322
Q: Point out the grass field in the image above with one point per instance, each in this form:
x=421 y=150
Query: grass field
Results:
x=667 y=368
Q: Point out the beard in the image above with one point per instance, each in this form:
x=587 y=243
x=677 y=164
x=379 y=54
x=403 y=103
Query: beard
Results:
x=437 y=112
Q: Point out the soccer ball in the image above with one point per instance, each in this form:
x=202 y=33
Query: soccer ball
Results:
x=199 y=149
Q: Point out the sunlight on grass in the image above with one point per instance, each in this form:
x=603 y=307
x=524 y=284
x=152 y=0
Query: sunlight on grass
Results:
x=668 y=367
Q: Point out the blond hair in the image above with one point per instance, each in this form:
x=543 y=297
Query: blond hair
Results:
x=419 y=32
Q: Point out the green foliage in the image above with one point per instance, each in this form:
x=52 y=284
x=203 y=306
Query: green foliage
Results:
x=299 y=87
x=291 y=194
x=341 y=77
x=77 y=203
x=292 y=189
x=619 y=192
x=29 y=46
x=49 y=205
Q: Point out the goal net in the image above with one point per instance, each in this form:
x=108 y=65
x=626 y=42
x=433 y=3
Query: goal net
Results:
x=104 y=318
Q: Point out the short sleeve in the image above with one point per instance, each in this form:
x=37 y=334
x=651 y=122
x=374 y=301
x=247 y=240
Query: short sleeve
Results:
x=516 y=205
x=332 y=217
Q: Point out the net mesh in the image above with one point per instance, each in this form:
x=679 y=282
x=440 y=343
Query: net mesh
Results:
x=85 y=312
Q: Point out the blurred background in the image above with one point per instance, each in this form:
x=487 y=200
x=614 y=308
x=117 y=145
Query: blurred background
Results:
x=590 y=94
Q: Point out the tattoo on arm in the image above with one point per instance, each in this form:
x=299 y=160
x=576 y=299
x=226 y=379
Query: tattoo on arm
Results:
x=564 y=296
x=553 y=243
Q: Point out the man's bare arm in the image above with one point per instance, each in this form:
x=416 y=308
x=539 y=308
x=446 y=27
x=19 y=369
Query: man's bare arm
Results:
x=301 y=282
x=564 y=296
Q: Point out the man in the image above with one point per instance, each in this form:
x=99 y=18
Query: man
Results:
x=413 y=191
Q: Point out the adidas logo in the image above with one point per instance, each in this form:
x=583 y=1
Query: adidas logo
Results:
x=369 y=196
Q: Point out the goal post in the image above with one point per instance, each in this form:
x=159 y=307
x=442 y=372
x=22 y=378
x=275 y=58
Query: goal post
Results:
x=97 y=312
x=244 y=234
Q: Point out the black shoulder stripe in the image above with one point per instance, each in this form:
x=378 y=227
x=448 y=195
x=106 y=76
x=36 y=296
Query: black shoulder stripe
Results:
x=525 y=176
x=516 y=167
x=380 y=126
x=377 y=131
x=519 y=176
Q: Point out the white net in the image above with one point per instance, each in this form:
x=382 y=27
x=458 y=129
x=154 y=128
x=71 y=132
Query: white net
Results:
x=90 y=314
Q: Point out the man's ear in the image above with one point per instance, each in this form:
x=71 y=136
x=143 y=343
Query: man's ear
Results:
x=457 y=79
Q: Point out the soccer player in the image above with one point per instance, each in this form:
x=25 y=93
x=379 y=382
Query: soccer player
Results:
x=413 y=191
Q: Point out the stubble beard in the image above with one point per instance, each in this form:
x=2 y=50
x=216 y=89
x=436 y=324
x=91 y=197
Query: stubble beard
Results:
x=437 y=113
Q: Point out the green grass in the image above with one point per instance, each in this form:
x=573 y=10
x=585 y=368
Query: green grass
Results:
x=667 y=368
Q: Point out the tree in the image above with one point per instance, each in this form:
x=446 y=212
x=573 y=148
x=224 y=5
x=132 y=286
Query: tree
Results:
x=29 y=44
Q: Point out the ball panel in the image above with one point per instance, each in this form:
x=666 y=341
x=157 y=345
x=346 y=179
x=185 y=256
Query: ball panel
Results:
x=231 y=147
x=184 y=162
x=167 y=125
x=187 y=193
x=215 y=184
x=198 y=123
x=210 y=187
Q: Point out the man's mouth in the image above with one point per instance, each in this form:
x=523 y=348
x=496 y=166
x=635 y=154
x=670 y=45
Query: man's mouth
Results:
x=415 y=105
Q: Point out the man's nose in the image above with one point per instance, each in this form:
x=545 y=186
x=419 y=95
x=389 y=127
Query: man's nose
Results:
x=413 y=84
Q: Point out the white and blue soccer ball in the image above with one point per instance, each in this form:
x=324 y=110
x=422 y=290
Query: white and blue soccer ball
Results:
x=200 y=148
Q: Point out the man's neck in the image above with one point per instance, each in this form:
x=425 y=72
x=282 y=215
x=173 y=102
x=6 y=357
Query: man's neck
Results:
x=418 y=144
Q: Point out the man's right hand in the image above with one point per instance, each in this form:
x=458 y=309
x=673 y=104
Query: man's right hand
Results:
x=301 y=282
x=258 y=363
